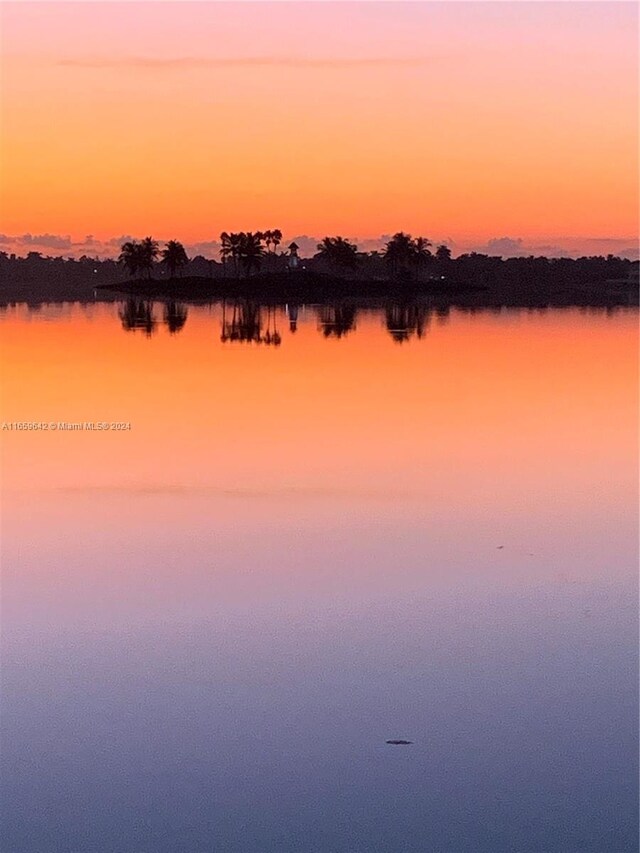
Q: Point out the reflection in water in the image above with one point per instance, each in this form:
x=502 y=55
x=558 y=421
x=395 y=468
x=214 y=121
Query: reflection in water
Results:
x=337 y=320
x=292 y=313
x=272 y=335
x=248 y=321
x=243 y=322
x=175 y=316
x=404 y=320
x=138 y=314
x=213 y=623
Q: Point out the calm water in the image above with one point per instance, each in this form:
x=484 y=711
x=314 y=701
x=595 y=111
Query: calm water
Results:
x=213 y=621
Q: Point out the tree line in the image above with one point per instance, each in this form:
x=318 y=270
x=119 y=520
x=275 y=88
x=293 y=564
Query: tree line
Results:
x=244 y=252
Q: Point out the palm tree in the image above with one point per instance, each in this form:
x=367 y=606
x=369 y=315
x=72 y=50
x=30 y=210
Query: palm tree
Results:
x=130 y=257
x=225 y=249
x=271 y=239
x=149 y=251
x=250 y=251
x=235 y=243
x=421 y=253
x=443 y=253
x=398 y=252
x=338 y=252
x=174 y=256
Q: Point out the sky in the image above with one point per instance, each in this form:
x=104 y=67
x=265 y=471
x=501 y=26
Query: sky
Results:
x=507 y=126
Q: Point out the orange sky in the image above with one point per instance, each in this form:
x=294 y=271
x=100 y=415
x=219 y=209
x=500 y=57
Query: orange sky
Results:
x=462 y=121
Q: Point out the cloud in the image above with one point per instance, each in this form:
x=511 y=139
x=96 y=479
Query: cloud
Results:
x=48 y=241
x=187 y=63
x=206 y=247
x=308 y=245
x=508 y=247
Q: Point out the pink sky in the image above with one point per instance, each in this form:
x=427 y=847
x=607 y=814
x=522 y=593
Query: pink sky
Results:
x=467 y=122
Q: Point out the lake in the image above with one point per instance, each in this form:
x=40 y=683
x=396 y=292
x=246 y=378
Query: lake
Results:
x=319 y=529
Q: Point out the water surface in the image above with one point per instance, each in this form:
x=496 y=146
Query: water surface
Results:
x=379 y=525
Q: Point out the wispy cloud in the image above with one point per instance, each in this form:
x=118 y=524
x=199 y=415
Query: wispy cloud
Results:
x=186 y=63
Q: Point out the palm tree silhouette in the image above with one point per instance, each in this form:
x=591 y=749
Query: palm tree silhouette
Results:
x=398 y=251
x=250 y=251
x=130 y=257
x=338 y=252
x=235 y=242
x=174 y=256
x=276 y=239
x=225 y=250
x=149 y=252
x=404 y=253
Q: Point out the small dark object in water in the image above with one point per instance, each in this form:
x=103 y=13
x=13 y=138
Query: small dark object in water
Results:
x=400 y=742
x=500 y=547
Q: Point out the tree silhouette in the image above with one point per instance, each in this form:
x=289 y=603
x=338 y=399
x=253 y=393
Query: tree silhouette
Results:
x=443 y=253
x=338 y=252
x=250 y=251
x=139 y=257
x=149 y=253
x=405 y=254
x=174 y=256
x=130 y=257
x=272 y=240
x=421 y=255
x=397 y=252
x=225 y=250
x=276 y=239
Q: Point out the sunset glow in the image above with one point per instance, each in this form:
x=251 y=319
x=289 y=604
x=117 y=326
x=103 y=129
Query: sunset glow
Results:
x=463 y=121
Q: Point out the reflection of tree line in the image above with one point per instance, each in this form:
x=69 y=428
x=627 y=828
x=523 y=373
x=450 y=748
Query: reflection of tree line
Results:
x=245 y=321
x=137 y=314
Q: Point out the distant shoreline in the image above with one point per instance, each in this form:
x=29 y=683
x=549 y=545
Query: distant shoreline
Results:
x=314 y=288
x=307 y=286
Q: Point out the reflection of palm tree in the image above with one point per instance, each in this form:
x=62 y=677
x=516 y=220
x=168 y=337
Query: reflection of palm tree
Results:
x=337 y=320
x=245 y=325
x=138 y=314
x=174 y=256
x=272 y=337
x=175 y=316
x=403 y=321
